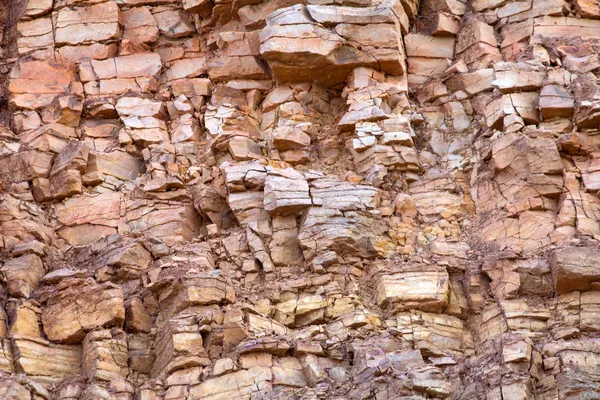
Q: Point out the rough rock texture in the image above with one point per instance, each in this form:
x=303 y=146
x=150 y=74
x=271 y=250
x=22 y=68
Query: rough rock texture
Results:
x=279 y=199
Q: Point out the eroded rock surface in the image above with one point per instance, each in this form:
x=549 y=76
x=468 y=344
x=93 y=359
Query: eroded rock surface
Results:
x=351 y=199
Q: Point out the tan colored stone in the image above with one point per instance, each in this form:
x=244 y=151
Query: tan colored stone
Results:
x=418 y=45
x=119 y=164
x=46 y=361
x=23 y=274
x=95 y=23
x=575 y=268
x=238 y=384
x=36 y=84
x=81 y=308
x=140 y=26
x=137 y=318
x=135 y=106
x=555 y=101
x=35 y=35
x=286 y=192
x=281 y=43
x=426 y=291
x=105 y=355
x=35 y=8
x=515 y=77
x=132 y=66
x=173 y=23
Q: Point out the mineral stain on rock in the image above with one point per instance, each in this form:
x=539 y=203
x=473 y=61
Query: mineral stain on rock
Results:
x=274 y=199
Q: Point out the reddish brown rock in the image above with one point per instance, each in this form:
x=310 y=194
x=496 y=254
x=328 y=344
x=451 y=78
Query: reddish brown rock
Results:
x=35 y=84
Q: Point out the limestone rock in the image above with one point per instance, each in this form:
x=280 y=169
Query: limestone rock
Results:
x=518 y=77
x=29 y=87
x=246 y=382
x=47 y=361
x=172 y=23
x=555 y=101
x=140 y=26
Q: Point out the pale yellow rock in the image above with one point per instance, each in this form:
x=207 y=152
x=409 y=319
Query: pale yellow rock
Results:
x=23 y=274
x=47 y=361
x=105 y=355
x=426 y=291
x=238 y=384
x=80 y=308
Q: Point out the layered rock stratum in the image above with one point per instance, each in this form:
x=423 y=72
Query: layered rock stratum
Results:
x=299 y=199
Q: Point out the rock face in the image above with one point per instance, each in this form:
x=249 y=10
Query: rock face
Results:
x=352 y=199
x=324 y=43
x=427 y=291
x=79 y=308
x=575 y=268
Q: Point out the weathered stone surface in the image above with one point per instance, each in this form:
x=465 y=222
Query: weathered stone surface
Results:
x=138 y=107
x=137 y=317
x=575 y=268
x=426 y=291
x=418 y=45
x=74 y=157
x=477 y=46
x=35 y=84
x=282 y=42
x=173 y=23
x=132 y=66
x=202 y=289
x=35 y=35
x=286 y=192
x=173 y=224
x=119 y=164
x=566 y=27
x=25 y=165
x=283 y=199
x=472 y=83
x=47 y=361
x=23 y=274
x=140 y=26
x=80 y=210
x=35 y=8
x=105 y=355
x=83 y=25
x=427 y=55
x=555 y=101
x=80 y=308
x=238 y=384
x=511 y=77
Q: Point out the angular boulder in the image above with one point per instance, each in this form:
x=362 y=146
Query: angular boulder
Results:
x=81 y=306
x=575 y=268
x=421 y=290
x=286 y=192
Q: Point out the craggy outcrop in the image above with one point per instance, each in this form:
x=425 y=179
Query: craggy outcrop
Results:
x=285 y=199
